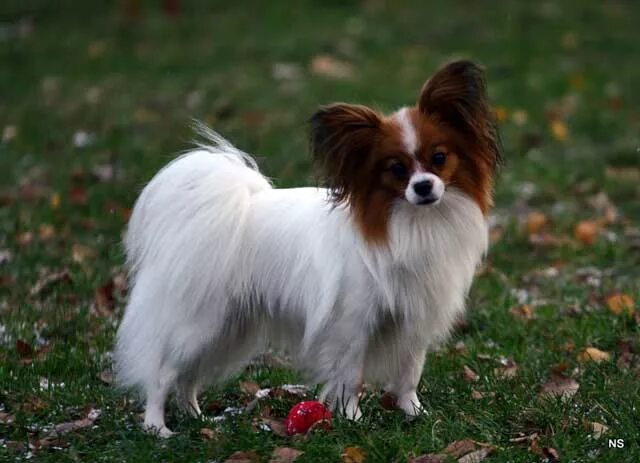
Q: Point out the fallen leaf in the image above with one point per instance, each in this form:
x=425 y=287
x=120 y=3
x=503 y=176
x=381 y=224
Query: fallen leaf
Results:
x=536 y=221
x=353 y=455
x=429 y=458
x=80 y=253
x=559 y=386
x=476 y=456
x=587 y=232
x=7 y=418
x=328 y=66
x=459 y=448
x=478 y=395
x=78 y=195
x=54 y=202
x=625 y=174
x=520 y=117
x=501 y=113
x=249 y=387
x=46 y=232
x=469 y=375
x=209 y=433
x=596 y=429
x=520 y=439
x=617 y=303
x=243 y=457
x=71 y=426
x=507 y=369
x=23 y=348
x=461 y=348
x=277 y=425
x=522 y=312
x=284 y=455
x=50 y=280
x=592 y=354
x=559 y=130
x=24 y=238
x=388 y=401
x=106 y=376
x=9 y=133
x=104 y=300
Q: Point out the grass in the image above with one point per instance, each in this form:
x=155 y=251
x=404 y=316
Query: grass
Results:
x=563 y=77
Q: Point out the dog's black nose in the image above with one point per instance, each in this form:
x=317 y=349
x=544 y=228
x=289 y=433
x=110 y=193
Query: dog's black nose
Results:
x=423 y=188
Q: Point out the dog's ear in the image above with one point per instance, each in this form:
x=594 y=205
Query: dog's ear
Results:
x=457 y=96
x=341 y=138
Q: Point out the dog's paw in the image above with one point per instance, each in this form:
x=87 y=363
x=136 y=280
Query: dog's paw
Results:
x=410 y=405
x=160 y=431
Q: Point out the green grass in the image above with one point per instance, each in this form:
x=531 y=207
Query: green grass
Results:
x=134 y=85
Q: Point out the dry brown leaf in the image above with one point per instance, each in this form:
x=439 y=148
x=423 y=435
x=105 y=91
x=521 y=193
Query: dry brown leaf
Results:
x=209 y=433
x=559 y=386
x=78 y=195
x=277 y=425
x=49 y=280
x=469 y=375
x=80 y=253
x=6 y=418
x=587 y=232
x=559 y=130
x=429 y=458
x=331 y=67
x=106 y=376
x=46 y=232
x=104 y=300
x=249 y=387
x=71 y=426
x=520 y=439
x=284 y=455
x=508 y=369
x=536 y=221
x=625 y=174
x=596 y=429
x=617 y=303
x=478 y=395
x=476 y=456
x=501 y=113
x=388 y=401
x=592 y=354
x=23 y=348
x=522 y=312
x=459 y=448
x=25 y=238
x=243 y=457
x=353 y=455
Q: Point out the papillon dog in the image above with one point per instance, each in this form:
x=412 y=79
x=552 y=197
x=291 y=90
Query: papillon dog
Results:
x=355 y=281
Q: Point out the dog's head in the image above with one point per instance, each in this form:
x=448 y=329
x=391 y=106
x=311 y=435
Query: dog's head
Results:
x=448 y=139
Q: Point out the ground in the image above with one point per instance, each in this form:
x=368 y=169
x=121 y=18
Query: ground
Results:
x=96 y=96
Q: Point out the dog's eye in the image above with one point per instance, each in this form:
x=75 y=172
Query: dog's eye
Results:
x=398 y=169
x=438 y=159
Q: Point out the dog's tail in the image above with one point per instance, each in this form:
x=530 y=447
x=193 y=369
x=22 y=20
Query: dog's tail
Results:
x=182 y=244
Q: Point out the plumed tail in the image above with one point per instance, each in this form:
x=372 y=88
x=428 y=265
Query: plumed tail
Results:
x=182 y=242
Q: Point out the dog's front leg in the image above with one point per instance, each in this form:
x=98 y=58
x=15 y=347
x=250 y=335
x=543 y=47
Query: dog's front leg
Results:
x=345 y=375
x=404 y=386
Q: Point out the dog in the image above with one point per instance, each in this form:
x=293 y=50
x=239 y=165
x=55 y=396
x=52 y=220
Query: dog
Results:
x=355 y=281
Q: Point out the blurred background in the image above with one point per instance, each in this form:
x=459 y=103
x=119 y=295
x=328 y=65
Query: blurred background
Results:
x=96 y=96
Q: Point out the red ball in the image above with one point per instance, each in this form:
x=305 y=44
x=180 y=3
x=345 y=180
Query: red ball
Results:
x=304 y=415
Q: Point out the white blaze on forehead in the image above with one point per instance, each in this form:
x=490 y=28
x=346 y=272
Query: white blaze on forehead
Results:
x=407 y=130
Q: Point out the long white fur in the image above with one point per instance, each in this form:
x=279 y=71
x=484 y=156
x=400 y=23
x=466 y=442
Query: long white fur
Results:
x=224 y=266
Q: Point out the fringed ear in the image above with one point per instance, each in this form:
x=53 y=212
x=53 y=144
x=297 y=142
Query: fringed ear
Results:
x=341 y=139
x=457 y=96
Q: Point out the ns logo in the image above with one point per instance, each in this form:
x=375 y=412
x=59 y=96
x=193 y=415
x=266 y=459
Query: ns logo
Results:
x=616 y=443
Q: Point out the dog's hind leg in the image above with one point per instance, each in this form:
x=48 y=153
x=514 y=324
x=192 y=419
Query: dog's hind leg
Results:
x=187 y=389
x=157 y=392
